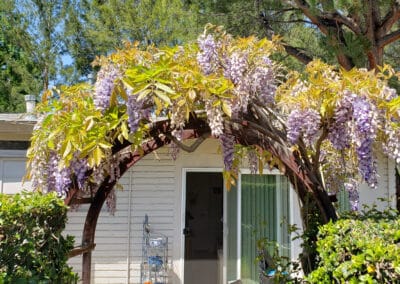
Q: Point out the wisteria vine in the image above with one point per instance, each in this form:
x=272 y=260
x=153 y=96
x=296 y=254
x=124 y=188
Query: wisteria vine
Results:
x=217 y=79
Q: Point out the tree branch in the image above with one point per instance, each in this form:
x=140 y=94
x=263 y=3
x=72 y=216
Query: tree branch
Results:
x=297 y=53
x=341 y=19
x=292 y=21
x=330 y=28
x=192 y=147
x=291 y=50
x=390 y=18
x=389 y=38
x=305 y=8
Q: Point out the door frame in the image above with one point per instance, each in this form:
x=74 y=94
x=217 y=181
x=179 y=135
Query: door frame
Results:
x=225 y=228
x=293 y=208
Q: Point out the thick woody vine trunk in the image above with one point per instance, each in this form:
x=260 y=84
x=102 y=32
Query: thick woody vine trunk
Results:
x=316 y=206
x=259 y=128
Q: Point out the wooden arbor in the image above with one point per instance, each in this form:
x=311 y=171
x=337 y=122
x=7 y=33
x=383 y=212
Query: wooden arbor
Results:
x=252 y=129
x=160 y=134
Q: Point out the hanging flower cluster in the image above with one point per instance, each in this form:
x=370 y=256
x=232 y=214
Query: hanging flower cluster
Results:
x=104 y=86
x=348 y=113
x=248 y=67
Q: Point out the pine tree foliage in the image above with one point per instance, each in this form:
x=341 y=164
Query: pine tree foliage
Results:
x=19 y=73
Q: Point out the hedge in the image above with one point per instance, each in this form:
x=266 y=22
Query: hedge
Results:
x=360 y=248
x=32 y=247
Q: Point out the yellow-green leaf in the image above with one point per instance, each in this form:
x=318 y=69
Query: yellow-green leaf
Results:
x=67 y=149
x=226 y=108
x=89 y=147
x=98 y=155
x=105 y=145
x=181 y=102
x=159 y=106
x=165 y=88
x=162 y=96
x=124 y=130
x=216 y=103
x=192 y=94
x=143 y=94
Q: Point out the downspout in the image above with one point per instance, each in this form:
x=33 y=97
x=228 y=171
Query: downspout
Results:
x=129 y=228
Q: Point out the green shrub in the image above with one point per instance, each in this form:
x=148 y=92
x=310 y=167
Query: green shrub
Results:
x=359 y=248
x=32 y=249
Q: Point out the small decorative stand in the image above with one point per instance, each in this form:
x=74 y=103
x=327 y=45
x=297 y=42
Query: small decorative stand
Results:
x=154 y=266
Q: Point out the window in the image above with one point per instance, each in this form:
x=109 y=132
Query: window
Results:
x=264 y=211
x=12 y=171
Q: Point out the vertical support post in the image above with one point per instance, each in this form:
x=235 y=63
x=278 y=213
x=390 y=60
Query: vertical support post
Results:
x=89 y=228
x=86 y=267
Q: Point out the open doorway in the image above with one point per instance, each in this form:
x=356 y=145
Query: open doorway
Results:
x=203 y=227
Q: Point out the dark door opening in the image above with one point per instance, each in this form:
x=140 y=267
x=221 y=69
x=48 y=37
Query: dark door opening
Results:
x=203 y=228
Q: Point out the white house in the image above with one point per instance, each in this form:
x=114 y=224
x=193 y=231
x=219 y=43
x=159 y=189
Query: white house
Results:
x=15 y=131
x=212 y=233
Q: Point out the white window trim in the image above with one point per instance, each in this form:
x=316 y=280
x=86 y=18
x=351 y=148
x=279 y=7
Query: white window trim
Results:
x=13 y=154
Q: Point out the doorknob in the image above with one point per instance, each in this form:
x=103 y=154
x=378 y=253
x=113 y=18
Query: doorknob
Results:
x=186 y=231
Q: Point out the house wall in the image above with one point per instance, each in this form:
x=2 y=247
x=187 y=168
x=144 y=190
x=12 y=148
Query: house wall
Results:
x=385 y=194
x=12 y=171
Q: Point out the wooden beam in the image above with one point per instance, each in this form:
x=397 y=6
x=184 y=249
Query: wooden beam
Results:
x=82 y=200
x=80 y=250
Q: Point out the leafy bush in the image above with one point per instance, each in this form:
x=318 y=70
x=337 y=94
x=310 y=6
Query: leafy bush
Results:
x=32 y=249
x=359 y=248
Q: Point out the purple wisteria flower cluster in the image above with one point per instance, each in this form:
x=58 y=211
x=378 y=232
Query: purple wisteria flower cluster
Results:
x=63 y=181
x=253 y=79
x=51 y=169
x=215 y=119
x=48 y=176
x=339 y=132
x=136 y=111
x=79 y=167
x=104 y=86
x=58 y=180
x=173 y=150
x=351 y=186
x=208 y=55
x=304 y=124
x=392 y=145
x=263 y=83
x=364 y=114
x=235 y=67
x=228 y=149
x=177 y=121
x=252 y=82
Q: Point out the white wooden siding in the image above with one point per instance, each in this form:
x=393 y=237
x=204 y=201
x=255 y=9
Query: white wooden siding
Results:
x=152 y=183
x=386 y=186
